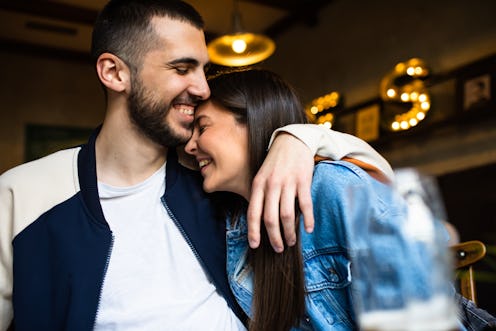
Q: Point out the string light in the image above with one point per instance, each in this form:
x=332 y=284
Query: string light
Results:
x=414 y=92
x=319 y=110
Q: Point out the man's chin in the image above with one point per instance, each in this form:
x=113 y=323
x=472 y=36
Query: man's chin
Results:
x=184 y=133
x=177 y=139
x=184 y=137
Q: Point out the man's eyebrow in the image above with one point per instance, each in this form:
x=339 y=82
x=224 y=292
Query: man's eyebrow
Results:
x=185 y=60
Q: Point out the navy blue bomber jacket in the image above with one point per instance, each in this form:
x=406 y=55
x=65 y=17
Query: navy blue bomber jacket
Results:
x=60 y=258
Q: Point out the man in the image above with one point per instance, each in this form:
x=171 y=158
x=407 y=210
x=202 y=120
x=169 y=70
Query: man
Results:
x=116 y=234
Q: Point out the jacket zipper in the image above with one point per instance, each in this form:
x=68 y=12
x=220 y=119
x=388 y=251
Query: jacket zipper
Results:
x=185 y=236
x=181 y=230
x=103 y=279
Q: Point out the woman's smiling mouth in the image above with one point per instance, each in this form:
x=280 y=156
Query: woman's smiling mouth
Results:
x=203 y=163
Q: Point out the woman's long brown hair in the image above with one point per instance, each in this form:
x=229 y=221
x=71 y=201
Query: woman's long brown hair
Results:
x=264 y=102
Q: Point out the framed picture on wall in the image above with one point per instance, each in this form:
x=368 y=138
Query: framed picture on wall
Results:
x=367 y=122
x=477 y=92
x=41 y=140
x=476 y=87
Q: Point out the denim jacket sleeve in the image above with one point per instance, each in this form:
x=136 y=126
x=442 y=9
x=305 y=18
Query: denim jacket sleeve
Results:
x=373 y=213
x=347 y=203
x=365 y=218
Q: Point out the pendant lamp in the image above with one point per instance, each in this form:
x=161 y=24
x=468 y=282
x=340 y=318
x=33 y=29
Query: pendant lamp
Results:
x=240 y=48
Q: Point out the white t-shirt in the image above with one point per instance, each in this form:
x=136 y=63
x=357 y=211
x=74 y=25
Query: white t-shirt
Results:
x=154 y=281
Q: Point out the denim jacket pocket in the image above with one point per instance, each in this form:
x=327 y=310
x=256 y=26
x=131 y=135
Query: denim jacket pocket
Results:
x=328 y=285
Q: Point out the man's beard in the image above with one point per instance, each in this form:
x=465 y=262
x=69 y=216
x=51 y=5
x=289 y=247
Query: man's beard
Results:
x=149 y=116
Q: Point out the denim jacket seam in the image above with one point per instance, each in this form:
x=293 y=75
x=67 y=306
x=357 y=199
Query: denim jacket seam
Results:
x=323 y=251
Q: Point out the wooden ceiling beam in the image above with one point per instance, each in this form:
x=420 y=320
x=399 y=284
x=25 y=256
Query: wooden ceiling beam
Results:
x=53 y=10
x=305 y=12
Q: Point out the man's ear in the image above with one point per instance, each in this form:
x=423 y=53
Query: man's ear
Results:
x=113 y=72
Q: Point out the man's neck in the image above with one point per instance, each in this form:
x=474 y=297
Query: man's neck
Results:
x=125 y=156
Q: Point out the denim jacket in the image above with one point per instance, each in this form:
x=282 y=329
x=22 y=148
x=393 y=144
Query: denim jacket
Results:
x=344 y=198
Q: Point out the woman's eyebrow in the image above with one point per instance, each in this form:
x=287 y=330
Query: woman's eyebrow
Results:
x=199 y=117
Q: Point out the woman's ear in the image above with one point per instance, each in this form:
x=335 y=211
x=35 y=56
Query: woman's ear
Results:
x=113 y=72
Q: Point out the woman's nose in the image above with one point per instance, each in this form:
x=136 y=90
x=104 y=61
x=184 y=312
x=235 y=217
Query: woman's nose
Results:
x=190 y=147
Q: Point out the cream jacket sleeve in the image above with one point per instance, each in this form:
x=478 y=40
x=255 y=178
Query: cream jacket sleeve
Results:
x=6 y=235
x=336 y=145
x=26 y=192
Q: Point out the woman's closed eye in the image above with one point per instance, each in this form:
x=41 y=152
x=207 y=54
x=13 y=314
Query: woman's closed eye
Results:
x=201 y=124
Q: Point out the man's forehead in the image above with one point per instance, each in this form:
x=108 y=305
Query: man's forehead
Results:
x=181 y=38
x=165 y=25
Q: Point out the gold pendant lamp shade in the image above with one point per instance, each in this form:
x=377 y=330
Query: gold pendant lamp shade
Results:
x=240 y=48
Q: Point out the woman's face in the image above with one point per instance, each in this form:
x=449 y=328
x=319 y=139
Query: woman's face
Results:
x=220 y=145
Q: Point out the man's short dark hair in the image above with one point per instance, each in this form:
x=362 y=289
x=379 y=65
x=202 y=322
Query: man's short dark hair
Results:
x=123 y=27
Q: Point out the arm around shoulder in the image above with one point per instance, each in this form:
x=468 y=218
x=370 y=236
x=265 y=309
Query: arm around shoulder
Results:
x=337 y=145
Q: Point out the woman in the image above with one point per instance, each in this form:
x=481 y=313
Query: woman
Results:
x=308 y=286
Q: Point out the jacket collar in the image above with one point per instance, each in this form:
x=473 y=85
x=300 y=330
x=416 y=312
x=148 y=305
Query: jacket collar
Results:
x=87 y=177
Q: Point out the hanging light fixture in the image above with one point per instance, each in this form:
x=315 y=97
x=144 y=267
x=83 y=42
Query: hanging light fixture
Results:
x=240 y=48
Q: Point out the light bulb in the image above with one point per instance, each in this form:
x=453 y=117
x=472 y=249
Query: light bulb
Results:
x=391 y=93
x=239 y=46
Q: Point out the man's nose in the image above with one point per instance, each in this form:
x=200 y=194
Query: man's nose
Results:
x=199 y=86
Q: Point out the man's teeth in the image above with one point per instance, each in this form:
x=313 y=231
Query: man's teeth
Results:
x=187 y=111
x=203 y=163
